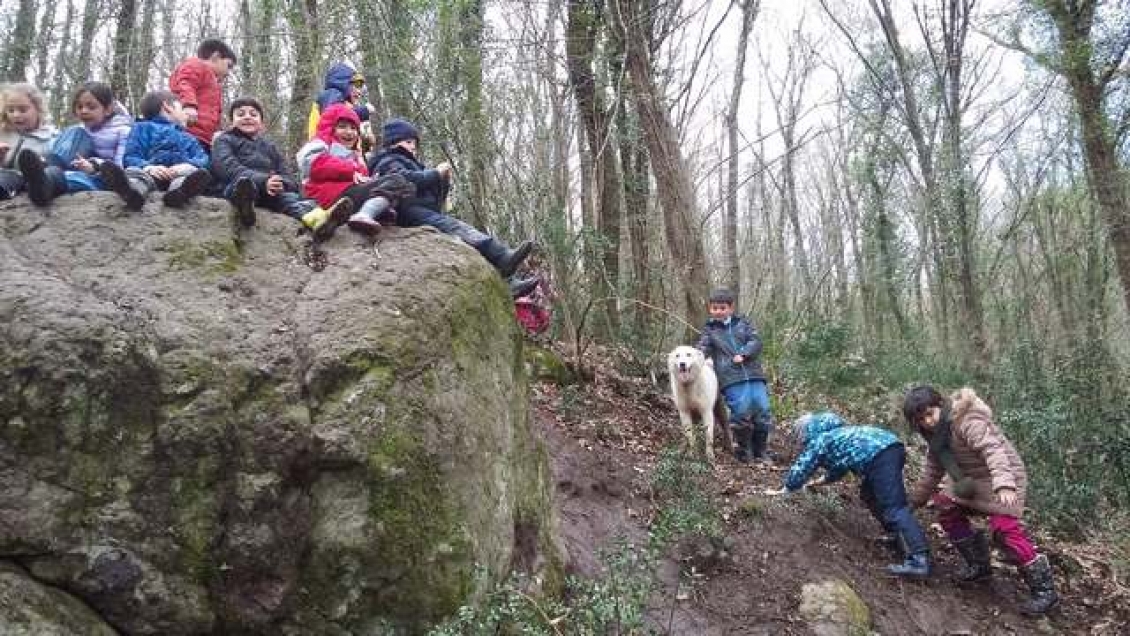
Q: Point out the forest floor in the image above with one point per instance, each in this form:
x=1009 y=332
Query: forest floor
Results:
x=605 y=438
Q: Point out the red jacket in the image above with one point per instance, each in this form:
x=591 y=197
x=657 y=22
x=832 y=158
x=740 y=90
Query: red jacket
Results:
x=196 y=85
x=330 y=172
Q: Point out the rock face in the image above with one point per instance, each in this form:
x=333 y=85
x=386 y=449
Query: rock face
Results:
x=200 y=435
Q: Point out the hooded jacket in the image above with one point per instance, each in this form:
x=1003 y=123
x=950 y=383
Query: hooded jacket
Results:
x=37 y=141
x=985 y=456
x=235 y=155
x=336 y=90
x=109 y=138
x=196 y=85
x=838 y=448
x=721 y=341
x=160 y=142
x=431 y=187
x=328 y=166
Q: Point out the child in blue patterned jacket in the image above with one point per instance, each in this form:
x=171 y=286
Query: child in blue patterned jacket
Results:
x=878 y=457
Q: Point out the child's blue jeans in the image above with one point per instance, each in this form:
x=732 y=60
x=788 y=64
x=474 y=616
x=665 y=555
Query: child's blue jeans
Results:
x=883 y=491
x=749 y=399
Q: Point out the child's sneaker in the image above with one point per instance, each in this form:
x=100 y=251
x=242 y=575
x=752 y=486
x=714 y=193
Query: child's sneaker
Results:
x=339 y=212
x=243 y=200
x=116 y=180
x=192 y=185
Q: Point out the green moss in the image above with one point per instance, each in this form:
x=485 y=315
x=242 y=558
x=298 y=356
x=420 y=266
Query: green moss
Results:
x=214 y=257
x=419 y=536
x=546 y=365
x=193 y=501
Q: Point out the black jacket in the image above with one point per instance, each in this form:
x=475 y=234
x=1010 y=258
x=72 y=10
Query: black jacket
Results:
x=431 y=188
x=721 y=342
x=235 y=155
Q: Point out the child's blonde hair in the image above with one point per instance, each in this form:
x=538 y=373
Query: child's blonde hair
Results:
x=34 y=95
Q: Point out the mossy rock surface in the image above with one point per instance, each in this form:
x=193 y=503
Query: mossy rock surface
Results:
x=832 y=608
x=200 y=435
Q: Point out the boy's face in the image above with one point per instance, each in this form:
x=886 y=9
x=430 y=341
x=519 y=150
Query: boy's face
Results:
x=221 y=66
x=174 y=110
x=721 y=311
x=247 y=120
x=408 y=144
x=346 y=133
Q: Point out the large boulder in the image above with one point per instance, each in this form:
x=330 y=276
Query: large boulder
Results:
x=201 y=434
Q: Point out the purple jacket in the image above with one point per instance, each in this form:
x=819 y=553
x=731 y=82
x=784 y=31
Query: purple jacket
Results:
x=109 y=139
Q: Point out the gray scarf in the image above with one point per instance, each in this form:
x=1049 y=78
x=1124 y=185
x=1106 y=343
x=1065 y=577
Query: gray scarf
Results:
x=938 y=444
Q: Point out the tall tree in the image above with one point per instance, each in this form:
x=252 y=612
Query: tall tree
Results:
x=306 y=47
x=17 y=51
x=749 y=9
x=123 y=49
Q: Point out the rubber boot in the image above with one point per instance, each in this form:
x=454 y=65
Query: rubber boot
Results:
x=523 y=287
x=130 y=190
x=743 y=439
x=916 y=566
x=978 y=558
x=509 y=262
x=339 y=212
x=182 y=190
x=365 y=220
x=1038 y=576
x=243 y=195
x=759 y=447
x=10 y=184
x=43 y=183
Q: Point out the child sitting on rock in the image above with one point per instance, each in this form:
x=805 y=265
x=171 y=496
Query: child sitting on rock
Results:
x=77 y=153
x=250 y=171
x=23 y=126
x=160 y=154
x=400 y=139
x=878 y=457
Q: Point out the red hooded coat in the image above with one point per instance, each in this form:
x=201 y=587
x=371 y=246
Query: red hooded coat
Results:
x=331 y=173
x=195 y=85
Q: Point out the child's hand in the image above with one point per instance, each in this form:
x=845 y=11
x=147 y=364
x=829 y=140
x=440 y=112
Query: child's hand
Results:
x=739 y=359
x=1007 y=497
x=444 y=170
x=83 y=164
x=182 y=169
x=191 y=114
x=274 y=185
x=359 y=178
x=4 y=148
x=160 y=173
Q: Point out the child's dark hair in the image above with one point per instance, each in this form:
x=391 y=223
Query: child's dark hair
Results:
x=722 y=295
x=919 y=399
x=153 y=103
x=210 y=46
x=242 y=102
x=99 y=90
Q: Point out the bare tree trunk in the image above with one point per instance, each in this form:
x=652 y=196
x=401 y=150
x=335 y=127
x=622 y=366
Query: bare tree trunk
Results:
x=580 y=45
x=60 y=75
x=123 y=50
x=139 y=74
x=672 y=176
x=17 y=51
x=750 y=9
x=90 y=12
x=43 y=41
x=1089 y=80
x=306 y=45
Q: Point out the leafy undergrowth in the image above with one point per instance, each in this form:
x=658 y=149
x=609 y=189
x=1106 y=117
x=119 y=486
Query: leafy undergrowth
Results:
x=740 y=569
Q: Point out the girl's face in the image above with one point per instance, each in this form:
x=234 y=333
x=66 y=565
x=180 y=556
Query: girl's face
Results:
x=21 y=113
x=929 y=418
x=89 y=110
x=346 y=133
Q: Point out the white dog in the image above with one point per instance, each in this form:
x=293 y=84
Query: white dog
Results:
x=694 y=387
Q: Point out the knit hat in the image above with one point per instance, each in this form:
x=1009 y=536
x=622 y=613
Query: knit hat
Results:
x=397 y=130
x=722 y=295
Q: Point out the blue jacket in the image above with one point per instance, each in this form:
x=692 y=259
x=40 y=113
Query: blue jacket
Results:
x=839 y=449
x=160 y=142
x=721 y=341
x=431 y=188
x=337 y=87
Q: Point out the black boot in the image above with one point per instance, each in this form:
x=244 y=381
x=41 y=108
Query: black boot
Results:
x=243 y=200
x=1038 y=576
x=130 y=190
x=181 y=191
x=978 y=558
x=43 y=183
x=743 y=440
x=523 y=286
x=509 y=263
x=759 y=446
x=10 y=184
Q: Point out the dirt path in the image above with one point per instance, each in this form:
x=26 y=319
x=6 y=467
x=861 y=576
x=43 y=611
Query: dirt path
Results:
x=604 y=441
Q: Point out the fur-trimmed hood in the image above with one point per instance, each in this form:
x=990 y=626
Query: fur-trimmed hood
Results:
x=965 y=401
